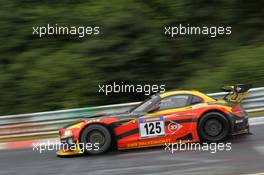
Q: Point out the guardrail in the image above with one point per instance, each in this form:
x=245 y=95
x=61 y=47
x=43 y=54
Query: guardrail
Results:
x=47 y=123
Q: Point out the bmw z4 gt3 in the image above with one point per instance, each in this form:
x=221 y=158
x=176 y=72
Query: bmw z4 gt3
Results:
x=170 y=117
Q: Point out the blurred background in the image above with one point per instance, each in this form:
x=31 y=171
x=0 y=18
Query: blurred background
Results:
x=56 y=72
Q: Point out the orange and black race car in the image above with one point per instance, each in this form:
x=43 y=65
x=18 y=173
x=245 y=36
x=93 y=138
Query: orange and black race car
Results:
x=170 y=117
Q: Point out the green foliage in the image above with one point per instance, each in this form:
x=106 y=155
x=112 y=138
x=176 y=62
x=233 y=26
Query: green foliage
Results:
x=49 y=73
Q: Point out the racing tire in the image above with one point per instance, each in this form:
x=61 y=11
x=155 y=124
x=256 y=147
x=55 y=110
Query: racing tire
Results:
x=213 y=127
x=97 y=137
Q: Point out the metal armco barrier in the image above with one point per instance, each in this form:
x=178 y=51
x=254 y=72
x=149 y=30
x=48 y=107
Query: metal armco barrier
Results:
x=47 y=123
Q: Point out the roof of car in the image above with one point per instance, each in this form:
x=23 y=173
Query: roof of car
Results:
x=191 y=92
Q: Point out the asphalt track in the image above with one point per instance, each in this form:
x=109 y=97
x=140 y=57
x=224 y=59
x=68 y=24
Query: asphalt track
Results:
x=246 y=157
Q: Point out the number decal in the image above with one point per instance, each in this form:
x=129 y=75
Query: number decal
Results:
x=151 y=126
x=158 y=128
x=146 y=128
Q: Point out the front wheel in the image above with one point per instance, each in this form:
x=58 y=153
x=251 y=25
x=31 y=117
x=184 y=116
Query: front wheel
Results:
x=213 y=127
x=96 y=139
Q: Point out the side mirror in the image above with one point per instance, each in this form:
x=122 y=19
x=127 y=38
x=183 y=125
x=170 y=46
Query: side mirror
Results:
x=154 y=108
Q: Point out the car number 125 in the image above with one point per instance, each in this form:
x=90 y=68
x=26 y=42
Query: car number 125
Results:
x=151 y=126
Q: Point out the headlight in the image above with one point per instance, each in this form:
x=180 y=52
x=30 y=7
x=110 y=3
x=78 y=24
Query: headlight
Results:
x=67 y=133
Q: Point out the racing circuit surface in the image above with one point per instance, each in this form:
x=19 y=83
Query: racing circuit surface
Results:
x=246 y=157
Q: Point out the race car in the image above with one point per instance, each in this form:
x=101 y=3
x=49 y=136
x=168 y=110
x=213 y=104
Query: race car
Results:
x=169 y=117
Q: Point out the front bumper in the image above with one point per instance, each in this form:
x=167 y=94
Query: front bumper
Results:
x=69 y=152
x=69 y=147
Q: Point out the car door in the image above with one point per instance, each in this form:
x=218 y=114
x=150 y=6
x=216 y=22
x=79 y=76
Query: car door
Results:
x=127 y=134
x=172 y=121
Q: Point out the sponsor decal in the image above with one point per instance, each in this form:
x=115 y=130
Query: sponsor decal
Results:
x=148 y=143
x=238 y=121
x=174 y=127
x=238 y=88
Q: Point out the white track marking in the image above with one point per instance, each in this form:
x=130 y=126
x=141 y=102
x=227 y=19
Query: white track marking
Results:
x=2 y=146
x=255 y=174
x=260 y=149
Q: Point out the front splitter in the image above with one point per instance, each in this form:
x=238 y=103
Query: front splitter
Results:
x=69 y=152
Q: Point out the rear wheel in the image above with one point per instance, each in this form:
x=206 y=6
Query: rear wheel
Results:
x=213 y=127
x=96 y=139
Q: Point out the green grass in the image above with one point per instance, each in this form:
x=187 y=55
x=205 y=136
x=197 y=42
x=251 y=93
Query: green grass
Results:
x=256 y=114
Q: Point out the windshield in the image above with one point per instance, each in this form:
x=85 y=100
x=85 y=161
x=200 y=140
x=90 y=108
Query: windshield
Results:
x=147 y=104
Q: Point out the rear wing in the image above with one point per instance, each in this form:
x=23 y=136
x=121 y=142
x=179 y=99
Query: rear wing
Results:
x=236 y=92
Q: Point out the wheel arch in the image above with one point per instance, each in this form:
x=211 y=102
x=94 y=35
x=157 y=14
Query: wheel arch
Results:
x=110 y=129
x=217 y=111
